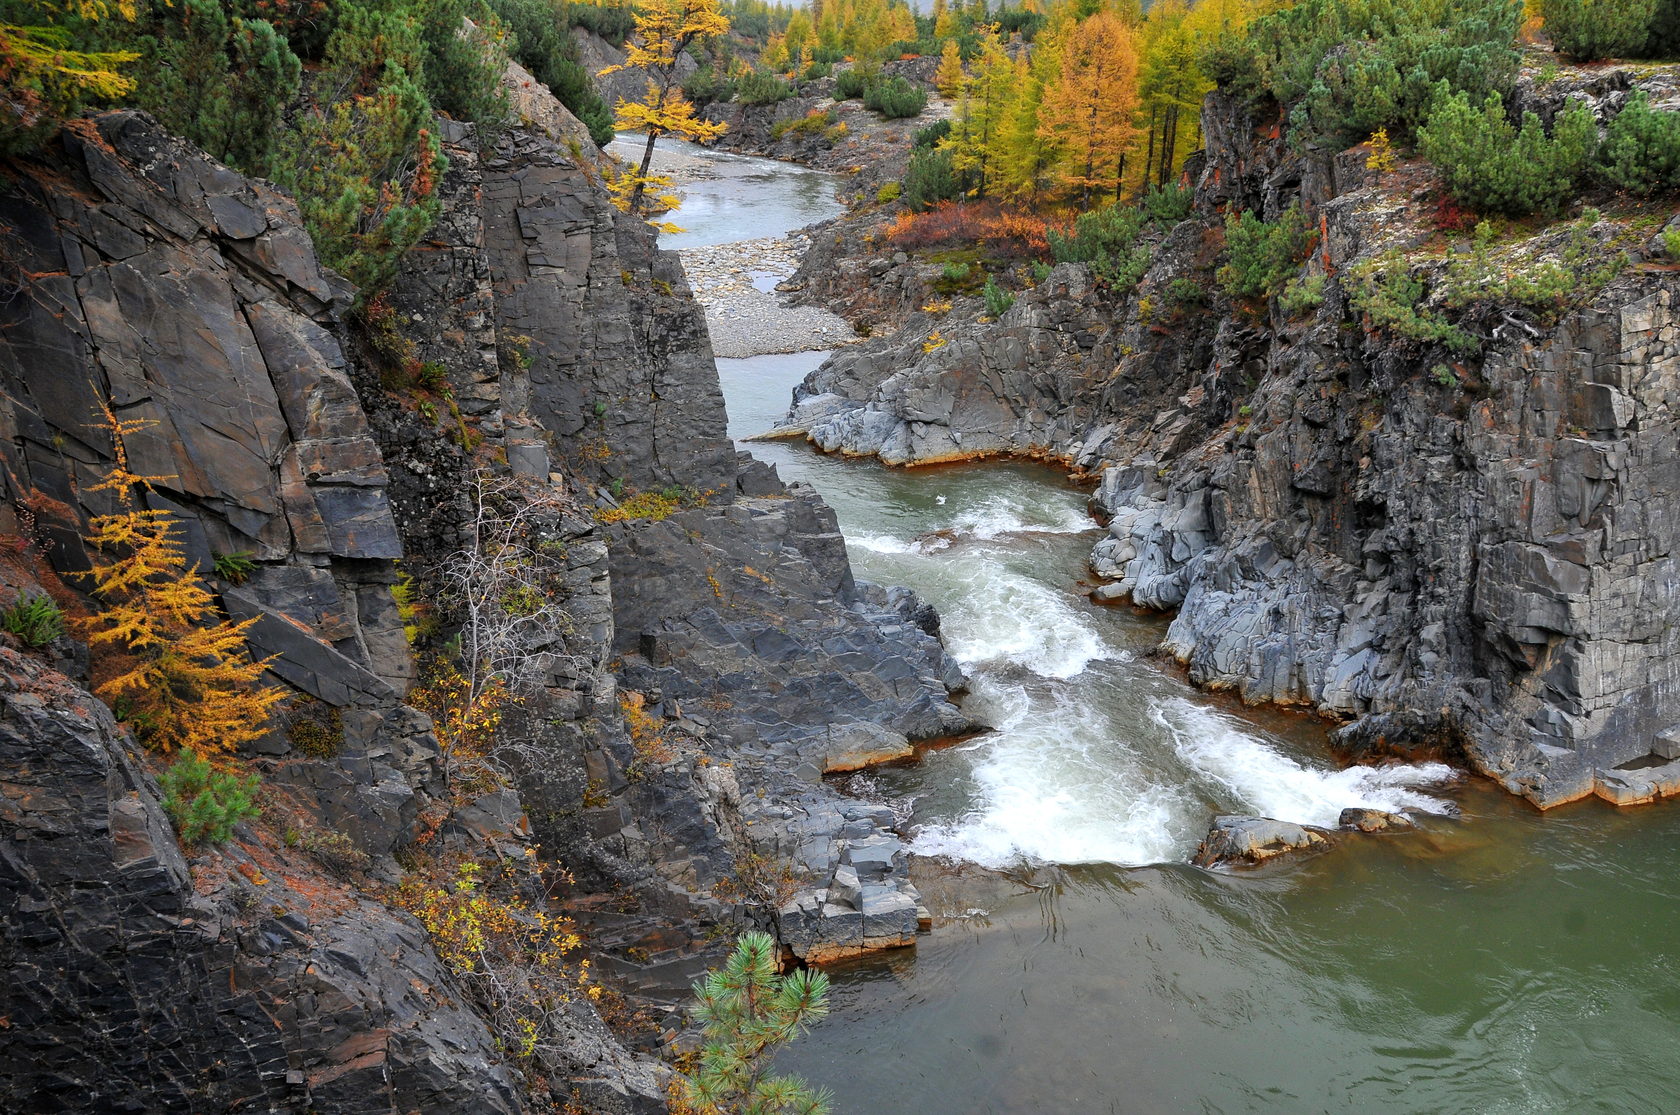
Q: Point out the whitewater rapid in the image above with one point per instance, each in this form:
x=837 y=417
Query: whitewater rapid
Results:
x=1095 y=756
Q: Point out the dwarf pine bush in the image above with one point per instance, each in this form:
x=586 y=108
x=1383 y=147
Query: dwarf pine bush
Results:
x=747 y=1010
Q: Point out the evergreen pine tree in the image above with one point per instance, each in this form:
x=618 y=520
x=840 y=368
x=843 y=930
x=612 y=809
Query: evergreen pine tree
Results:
x=1641 y=149
x=1497 y=168
x=747 y=1010
x=1587 y=30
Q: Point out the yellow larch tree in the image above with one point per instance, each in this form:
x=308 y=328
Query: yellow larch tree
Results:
x=1092 y=106
x=183 y=684
x=664 y=30
x=949 y=77
x=977 y=140
x=1025 y=156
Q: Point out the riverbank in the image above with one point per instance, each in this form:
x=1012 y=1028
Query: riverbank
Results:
x=728 y=203
x=736 y=285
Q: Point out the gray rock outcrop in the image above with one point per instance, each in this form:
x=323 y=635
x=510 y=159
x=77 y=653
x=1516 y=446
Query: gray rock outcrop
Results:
x=1462 y=558
x=136 y=983
x=735 y=620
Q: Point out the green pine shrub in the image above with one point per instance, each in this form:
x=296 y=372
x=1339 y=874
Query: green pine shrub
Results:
x=1641 y=148
x=1345 y=69
x=895 y=98
x=1587 y=30
x=1302 y=296
x=1107 y=240
x=1185 y=294
x=761 y=87
x=1262 y=256
x=851 y=84
x=611 y=22
x=1167 y=204
x=206 y=803
x=542 y=44
x=933 y=133
x=235 y=568
x=464 y=69
x=362 y=163
x=708 y=84
x=747 y=1010
x=997 y=299
x=1494 y=167
x=1665 y=31
x=220 y=81
x=930 y=178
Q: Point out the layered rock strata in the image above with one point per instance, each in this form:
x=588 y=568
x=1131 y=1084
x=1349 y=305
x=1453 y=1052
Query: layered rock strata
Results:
x=744 y=603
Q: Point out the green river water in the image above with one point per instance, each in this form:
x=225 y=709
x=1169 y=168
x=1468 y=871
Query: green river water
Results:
x=1499 y=960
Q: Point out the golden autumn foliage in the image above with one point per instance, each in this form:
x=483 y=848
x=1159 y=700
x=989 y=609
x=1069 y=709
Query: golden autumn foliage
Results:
x=1092 y=105
x=665 y=29
x=465 y=717
x=41 y=78
x=512 y=954
x=184 y=684
x=949 y=77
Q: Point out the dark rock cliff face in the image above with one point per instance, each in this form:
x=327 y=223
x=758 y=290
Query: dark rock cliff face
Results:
x=144 y=276
x=137 y=983
x=736 y=623
x=1476 y=563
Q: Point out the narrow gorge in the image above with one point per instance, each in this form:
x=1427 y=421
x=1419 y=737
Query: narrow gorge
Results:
x=1136 y=684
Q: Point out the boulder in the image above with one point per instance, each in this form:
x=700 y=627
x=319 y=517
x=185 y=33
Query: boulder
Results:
x=1239 y=841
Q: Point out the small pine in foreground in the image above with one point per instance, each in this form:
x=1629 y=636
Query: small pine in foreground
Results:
x=747 y=1010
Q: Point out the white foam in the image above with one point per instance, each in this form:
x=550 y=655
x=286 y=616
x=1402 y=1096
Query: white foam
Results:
x=1269 y=783
x=1002 y=515
x=1022 y=821
x=881 y=544
x=1055 y=785
x=1006 y=617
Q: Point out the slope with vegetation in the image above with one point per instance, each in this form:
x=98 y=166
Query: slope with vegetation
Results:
x=1366 y=395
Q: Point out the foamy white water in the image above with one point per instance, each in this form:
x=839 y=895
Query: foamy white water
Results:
x=1005 y=618
x=1000 y=515
x=1057 y=785
x=1093 y=758
x=1090 y=760
x=1264 y=781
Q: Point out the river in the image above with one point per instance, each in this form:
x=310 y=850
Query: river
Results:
x=1500 y=960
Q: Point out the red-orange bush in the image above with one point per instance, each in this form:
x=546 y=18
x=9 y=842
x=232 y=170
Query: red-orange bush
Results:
x=1006 y=234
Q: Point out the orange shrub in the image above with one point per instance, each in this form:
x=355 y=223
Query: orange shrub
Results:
x=1004 y=234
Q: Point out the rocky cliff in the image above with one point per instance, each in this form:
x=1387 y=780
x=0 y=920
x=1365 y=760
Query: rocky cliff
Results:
x=143 y=275
x=1459 y=556
x=717 y=658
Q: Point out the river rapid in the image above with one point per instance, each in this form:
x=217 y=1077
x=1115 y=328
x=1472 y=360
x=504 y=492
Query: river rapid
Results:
x=1499 y=960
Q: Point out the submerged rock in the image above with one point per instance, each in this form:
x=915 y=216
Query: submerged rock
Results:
x=1237 y=840
x=1374 y=820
